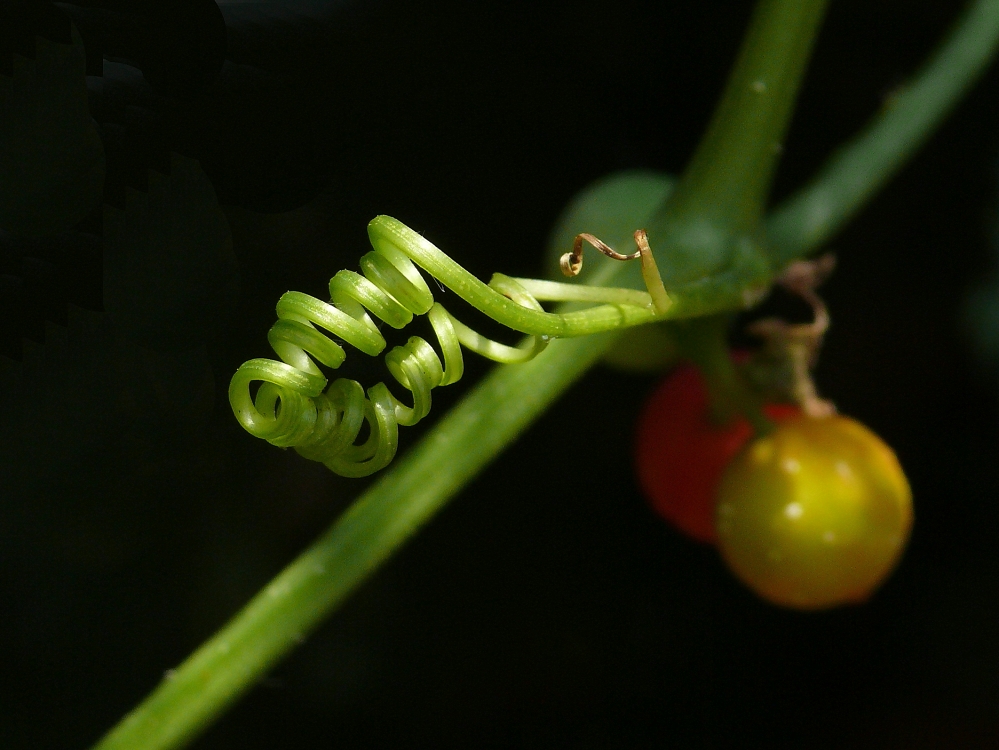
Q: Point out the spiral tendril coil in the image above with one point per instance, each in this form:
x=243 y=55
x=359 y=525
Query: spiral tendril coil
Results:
x=294 y=408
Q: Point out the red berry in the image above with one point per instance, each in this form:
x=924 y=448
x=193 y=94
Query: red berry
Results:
x=681 y=453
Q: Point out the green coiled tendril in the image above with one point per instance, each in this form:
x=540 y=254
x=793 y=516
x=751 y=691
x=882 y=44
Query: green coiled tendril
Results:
x=291 y=407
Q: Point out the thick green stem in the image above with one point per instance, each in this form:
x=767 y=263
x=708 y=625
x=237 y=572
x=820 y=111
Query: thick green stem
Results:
x=704 y=341
x=728 y=179
x=859 y=168
x=302 y=595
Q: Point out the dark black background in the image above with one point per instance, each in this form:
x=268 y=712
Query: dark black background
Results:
x=542 y=608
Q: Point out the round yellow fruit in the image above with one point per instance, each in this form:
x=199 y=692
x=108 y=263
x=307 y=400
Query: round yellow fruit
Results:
x=815 y=514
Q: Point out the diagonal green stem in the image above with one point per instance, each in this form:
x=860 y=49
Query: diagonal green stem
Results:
x=861 y=167
x=728 y=179
x=309 y=589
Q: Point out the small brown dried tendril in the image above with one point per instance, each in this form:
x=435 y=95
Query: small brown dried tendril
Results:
x=797 y=345
x=572 y=263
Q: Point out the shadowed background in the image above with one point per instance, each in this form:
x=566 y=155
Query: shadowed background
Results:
x=546 y=607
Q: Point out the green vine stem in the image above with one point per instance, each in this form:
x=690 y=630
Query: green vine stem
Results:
x=704 y=341
x=305 y=593
x=855 y=172
x=713 y=219
x=496 y=412
x=735 y=160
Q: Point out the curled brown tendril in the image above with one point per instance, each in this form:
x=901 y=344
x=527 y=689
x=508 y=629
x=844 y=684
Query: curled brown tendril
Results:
x=572 y=263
